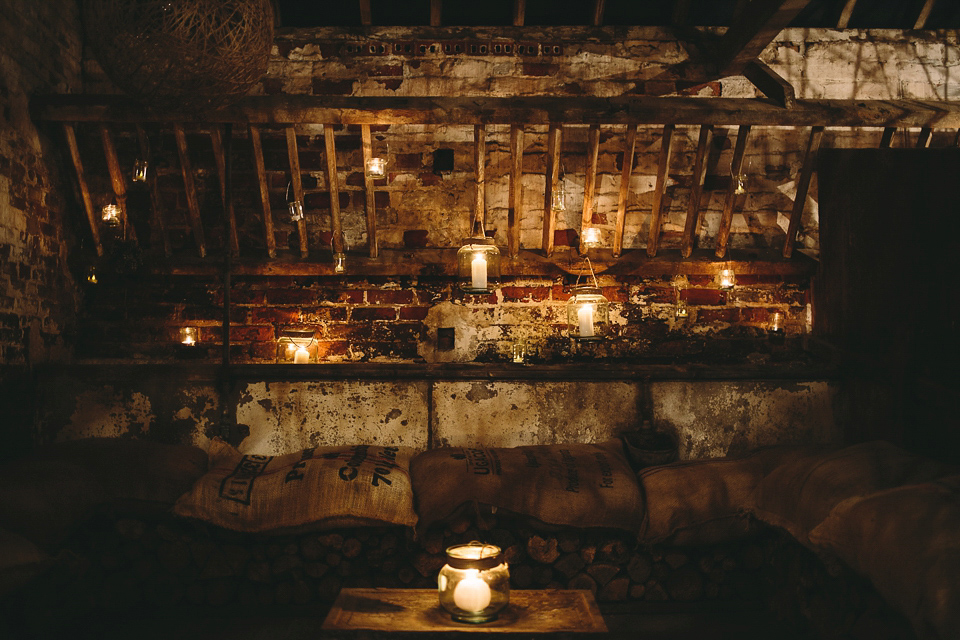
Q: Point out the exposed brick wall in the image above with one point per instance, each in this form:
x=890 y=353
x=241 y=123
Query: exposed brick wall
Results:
x=40 y=52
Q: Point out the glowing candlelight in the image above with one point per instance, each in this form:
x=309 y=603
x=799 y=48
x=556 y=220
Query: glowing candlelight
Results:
x=478 y=272
x=585 y=320
x=472 y=593
x=302 y=356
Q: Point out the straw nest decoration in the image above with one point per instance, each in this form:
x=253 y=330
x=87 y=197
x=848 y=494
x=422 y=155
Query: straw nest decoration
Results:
x=181 y=54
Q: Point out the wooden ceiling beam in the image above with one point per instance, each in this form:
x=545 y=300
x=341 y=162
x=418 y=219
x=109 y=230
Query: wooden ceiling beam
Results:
x=366 y=15
x=350 y=110
x=515 y=203
x=590 y=182
x=845 y=14
x=293 y=155
x=736 y=174
x=480 y=184
x=629 y=152
x=270 y=237
x=598 y=7
x=230 y=219
x=436 y=13
x=519 y=12
x=552 y=178
x=118 y=182
x=660 y=190
x=71 y=137
x=691 y=224
x=753 y=31
x=333 y=183
x=924 y=14
x=803 y=185
x=770 y=83
x=370 y=201
x=190 y=188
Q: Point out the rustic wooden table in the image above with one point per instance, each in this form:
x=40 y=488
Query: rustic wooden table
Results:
x=418 y=610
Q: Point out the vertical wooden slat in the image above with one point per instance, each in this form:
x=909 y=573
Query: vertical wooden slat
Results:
x=156 y=203
x=956 y=139
x=625 y=175
x=370 y=202
x=803 y=185
x=736 y=165
x=294 y=156
x=436 y=13
x=190 y=188
x=887 y=138
x=117 y=181
x=681 y=9
x=269 y=235
x=479 y=157
x=552 y=177
x=515 y=204
x=844 y=19
x=366 y=17
x=333 y=180
x=598 y=12
x=663 y=170
x=216 y=138
x=519 y=12
x=696 y=189
x=924 y=14
x=923 y=140
x=590 y=180
x=71 y=136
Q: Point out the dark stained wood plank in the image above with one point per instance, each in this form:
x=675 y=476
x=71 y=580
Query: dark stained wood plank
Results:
x=333 y=181
x=436 y=13
x=515 y=204
x=532 y=110
x=366 y=16
x=71 y=136
x=923 y=140
x=598 y=7
x=886 y=140
x=370 y=201
x=269 y=236
x=590 y=181
x=924 y=14
x=736 y=167
x=770 y=83
x=803 y=185
x=956 y=139
x=663 y=170
x=293 y=155
x=190 y=188
x=216 y=138
x=117 y=181
x=479 y=160
x=629 y=151
x=848 y=8
x=519 y=12
x=691 y=224
x=554 y=142
x=755 y=29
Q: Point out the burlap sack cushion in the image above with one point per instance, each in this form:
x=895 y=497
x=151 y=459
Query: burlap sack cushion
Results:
x=799 y=495
x=582 y=485
x=702 y=502
x=317 y=488
x=906 y=540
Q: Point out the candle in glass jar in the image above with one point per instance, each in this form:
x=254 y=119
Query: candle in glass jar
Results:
x=478 y=272
x=585 y=320
x=302 y=356
x=472 y=593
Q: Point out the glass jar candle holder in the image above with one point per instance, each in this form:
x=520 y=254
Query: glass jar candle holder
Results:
x=296 y=346
x=140 y=170
x=376 y=167
x=189 y=336
x=478 y=265
x=588 y=313
x=474 y=584
x=727 y=279
x=111 y=215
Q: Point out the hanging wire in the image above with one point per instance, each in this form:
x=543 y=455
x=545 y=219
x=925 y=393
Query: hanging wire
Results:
x=590 y=266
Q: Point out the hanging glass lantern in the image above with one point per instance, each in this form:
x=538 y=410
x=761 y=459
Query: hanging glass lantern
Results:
x=591 y=237
x=478 y=265
x=111 y=215
x=340 y=262
x=189 y=336
x=682 y=311
x=296 y=210
x=376 y=167
x=296 y=346
x=588 y=313
x=474 y=584
x=727 y=279
x=92 y=275
x=139 y=170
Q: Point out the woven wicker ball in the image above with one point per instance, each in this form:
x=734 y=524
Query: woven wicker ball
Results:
x=181 y=54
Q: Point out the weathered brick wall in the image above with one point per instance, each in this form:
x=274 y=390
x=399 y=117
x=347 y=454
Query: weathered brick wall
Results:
x=40 y=52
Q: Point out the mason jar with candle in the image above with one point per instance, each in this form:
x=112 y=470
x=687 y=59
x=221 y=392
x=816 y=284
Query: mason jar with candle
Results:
x=478 y=265
x=588 y=313
x=296 y=346
x=474 y=584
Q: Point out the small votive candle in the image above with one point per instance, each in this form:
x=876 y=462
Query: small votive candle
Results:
x=189 y=336
x=111 y=215
x=585 y=320
x=591 y=236
x=139 y=170
x=727 y=279
x=519 y=351
x=682 y=311
x=302 y=356
x=376 y=167
x=478 y=272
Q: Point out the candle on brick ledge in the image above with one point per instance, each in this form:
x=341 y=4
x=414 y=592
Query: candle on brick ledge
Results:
x=588 y=313
x=478 y=265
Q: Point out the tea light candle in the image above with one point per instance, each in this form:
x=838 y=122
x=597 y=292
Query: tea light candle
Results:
x=302 y=356
x=585 y=320
x=472 y=593
x=478 y=272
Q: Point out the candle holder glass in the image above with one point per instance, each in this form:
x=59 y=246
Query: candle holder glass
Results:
x=474 y=584
x=588 y=313
x=296 y=346
x=140 y=170
x=189 y=336
x=111 y=215
x=478 y=265
x=727 y=279
x=376 y=167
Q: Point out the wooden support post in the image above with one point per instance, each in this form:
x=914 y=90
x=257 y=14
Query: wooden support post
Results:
x=770 y=83
x=366 y=16
x=956 y=139
x=736 y=167
x=230 y=219
x=590 y=181
x=515 y=205
x=756 y=28
x=696 y=189
x=117 y=181
x=269 y=235
x=886 y=140
x=294 y=156
x=803 y=185
x=370 y=201
x=156 y=203
x=848 y=8
x=479 y=158
x=923 y=140
x=554 y=138
x=190 y=188
x=519 y=12
x=628 y=153
x=681 y=10
x=663 y=171
x=924 y=14
x=92 y=219
x=436 y=13
x=598 y=12
x=333 y=181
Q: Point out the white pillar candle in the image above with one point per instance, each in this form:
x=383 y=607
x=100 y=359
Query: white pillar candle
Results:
x=472 y=593
x=302 y=356
x=585 y=320
x=478 y=272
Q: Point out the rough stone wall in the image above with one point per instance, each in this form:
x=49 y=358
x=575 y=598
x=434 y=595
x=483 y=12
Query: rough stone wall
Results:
x=40 y=52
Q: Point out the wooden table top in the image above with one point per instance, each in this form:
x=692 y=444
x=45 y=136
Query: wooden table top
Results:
x=401 y=610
